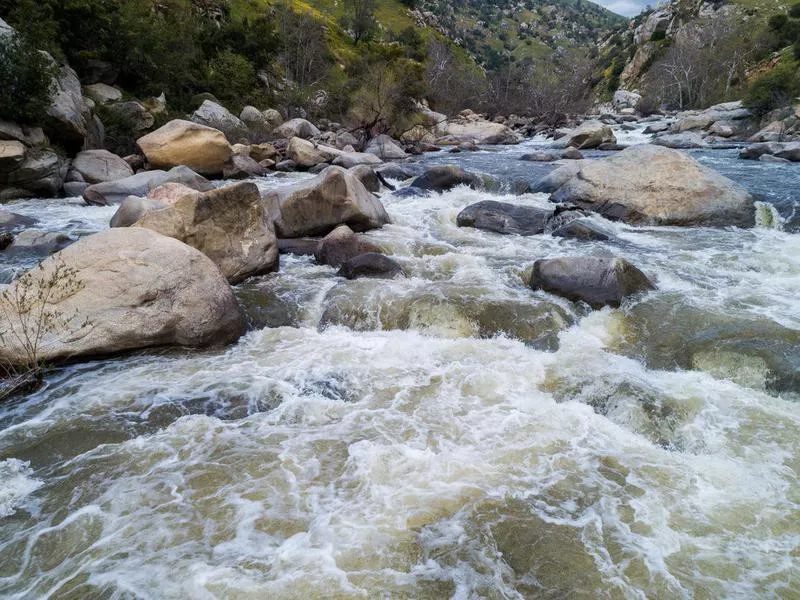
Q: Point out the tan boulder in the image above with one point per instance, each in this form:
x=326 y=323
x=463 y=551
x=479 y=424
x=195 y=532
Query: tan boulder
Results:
x=654 y=185
x=229 y=225
x=590 y=134
x=309 y=154
x=316 y=206
x=201 y=148
x=122 y=289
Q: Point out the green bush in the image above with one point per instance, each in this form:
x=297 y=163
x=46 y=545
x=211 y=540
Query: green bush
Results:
x=774 y=89
x=27 y=78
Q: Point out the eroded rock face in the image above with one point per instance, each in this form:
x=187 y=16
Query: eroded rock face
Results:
x=229 y=225
x=502 y=217
x=597 y=281
x=334 y=197
x=124 y=289
x=203 y=149
x=656 y=186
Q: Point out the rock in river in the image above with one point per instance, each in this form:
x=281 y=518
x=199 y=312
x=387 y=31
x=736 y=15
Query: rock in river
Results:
x=229 y=225
x=597 y=281
x=656 y=186
x=124 y=289
x=502 y=217
x=201 y=148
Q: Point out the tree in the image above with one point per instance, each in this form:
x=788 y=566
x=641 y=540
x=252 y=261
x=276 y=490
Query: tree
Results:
x=27 y=78
x=361 y=19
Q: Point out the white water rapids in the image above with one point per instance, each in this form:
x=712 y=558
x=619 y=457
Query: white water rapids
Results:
x=449 y=435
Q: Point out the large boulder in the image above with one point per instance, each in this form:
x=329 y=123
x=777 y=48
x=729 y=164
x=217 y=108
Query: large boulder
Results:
x=102 y=93
x=259 y=127
x=502 y=217
x=316 y=206
x=69 y=120
x=590 y=135
x=441 y=178
x=229 y=225
x=134 y=208
x=10 y=221
x=114 y=192
x=134 y=114
x=624 y=99
x=203 y=149
x=98 y=166
x=296 y=128
x=479 y=132
x=309 y=154
x=349 y=160
x=218 y=117
x=385 y=148
x=597 y=281
x=41 y=173
x=657 y=186
x=123 y=289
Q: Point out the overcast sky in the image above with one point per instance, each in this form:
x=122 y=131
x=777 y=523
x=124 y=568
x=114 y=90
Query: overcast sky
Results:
x=628 y=8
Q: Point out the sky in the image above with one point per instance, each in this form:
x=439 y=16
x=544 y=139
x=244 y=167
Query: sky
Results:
x=628 y=8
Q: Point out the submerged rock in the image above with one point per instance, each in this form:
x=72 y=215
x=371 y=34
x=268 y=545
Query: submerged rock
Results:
x=371 y=264
x=502 y=217
x=32 y=241
x=653 y=185
x=10 y=221
x=124 y=289
x=229 y=225
x=582 y=229
x=316 y=206
x=597 y=281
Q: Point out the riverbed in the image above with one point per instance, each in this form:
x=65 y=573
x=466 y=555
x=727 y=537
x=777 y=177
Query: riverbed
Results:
x=452 y=434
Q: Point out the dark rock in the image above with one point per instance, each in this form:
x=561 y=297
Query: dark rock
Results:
x=409 y=192
x=371 y=264
x=572 y=154
x=298 y=246
x=10 y=221
x=582 y=229
x=611 y=147
x=445 y=177
x=240 y=166
x=367 y=176
x=539 y=157
x=286 y=166
x=505 y=218
x=597 y=281
x=6 y=239
x=32 y=241
x=317 y=169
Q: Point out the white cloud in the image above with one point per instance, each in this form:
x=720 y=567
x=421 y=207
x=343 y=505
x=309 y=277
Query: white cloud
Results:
x=628 y=8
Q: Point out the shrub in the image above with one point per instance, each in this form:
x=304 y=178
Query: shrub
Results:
x=27 y=78
x=773 y=89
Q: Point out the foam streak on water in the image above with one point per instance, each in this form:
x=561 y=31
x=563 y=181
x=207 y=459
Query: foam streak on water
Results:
x=449 y=435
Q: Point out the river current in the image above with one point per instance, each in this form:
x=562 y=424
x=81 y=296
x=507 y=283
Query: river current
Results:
x=449 y=435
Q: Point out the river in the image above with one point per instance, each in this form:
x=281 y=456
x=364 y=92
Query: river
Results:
x=449 y=435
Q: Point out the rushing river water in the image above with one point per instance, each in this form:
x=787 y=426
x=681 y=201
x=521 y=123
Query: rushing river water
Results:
x=449 y=435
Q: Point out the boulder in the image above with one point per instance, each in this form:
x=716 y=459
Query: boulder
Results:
x=229 y=225
x=40 y=174
x=28 y=135
x=134 y=113
x=134 y=208
x=352 y=159
x=659 y=127
x=654 y=185
x=400 y=171
x=582 y=229
x=102 y=93
x=539 y=156
x=10 y=221
x=790 y=152
x=286 y=166
x=98 y=166
x=316 y=206
x=273 y=117
x=32 y=241
x=74 y=189
x=114 y=192
x=260 y=152
x=309 y=154
x=125 y=289
x=201 y=148
x=371 y=264
x=296 y=128
x=502 y=217
x=572 y=154
x=12 y=155
x=69 y=121
x=218 y=117
x=367 y=176
x=596 y=281
x=441 y=178
x=723 y=129
x=259 y=128
x=341 y=245
x=555 y=179
x=755 y=151
x=385 y=147
x=479 y=132
x=624 y=99
x=681 y=141
x=590 y=135
x=768 y=158
x=241 y=166
x=345 y=139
